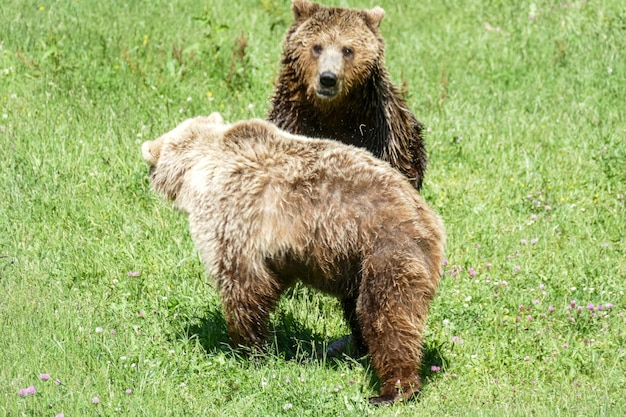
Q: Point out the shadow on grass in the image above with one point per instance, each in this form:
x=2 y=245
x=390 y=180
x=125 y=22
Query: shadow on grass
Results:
x=293 y=340
x=288 y=338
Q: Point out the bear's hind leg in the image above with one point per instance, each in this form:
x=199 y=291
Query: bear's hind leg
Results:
x=395 y=347
x=353 y=340
x=393 y=306
x=350 y=315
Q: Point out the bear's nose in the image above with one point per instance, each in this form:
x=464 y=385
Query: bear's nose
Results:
x=328 y=79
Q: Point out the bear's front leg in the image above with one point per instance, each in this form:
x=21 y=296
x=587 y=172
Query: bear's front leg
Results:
x=247 y=305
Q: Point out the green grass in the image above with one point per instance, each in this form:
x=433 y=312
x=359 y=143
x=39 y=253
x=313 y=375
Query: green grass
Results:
x=523 y=114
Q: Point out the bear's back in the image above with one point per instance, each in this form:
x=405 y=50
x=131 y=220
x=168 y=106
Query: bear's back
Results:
x=257 y=151
x=291 y=190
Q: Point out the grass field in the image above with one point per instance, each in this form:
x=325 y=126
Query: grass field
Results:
x=104 y=305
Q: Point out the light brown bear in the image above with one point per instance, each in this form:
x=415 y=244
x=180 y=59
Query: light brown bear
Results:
x=267 y=208
x=334 y=84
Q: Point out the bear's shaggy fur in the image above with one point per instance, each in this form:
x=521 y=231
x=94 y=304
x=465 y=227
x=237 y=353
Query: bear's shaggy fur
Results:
x=267 y=208
x=333 y=84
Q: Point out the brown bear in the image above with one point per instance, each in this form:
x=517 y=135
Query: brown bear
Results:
x=334 y=84
x=267 y=208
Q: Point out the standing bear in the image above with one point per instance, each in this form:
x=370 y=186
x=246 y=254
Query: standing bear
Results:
x=267 y=208
x=333 y=83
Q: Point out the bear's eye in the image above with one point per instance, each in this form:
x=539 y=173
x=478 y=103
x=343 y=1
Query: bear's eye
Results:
x=348 y=52
x=317 y=50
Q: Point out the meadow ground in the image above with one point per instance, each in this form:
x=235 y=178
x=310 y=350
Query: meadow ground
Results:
x=105 y=308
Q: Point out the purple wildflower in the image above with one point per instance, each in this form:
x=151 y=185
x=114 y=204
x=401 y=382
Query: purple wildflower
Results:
x=435 y=368
x=129 y=391
x=471 y=271
x=95 y=400
x=44 y=377
x=133 y=273
x=590 y=306
x=27 y=391
x=534 y=241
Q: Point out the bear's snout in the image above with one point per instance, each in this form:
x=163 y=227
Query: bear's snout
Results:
x=328 y=79
x=330 y=68
x=149 y=153
x=327 y=85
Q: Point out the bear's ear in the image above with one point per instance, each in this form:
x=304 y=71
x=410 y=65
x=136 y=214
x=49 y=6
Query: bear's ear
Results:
x=374 y=16
x=303 y=9
x=215 y=118
x=212 y=119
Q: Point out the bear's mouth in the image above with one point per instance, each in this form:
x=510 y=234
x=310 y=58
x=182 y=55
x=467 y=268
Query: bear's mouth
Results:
x=326 y=93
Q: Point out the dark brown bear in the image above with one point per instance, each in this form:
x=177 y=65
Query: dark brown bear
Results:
x=334 y=84
x=268 y=208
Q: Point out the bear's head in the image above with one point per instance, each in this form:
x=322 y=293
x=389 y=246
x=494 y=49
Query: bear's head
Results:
x=171 y=155
x=333 y=50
